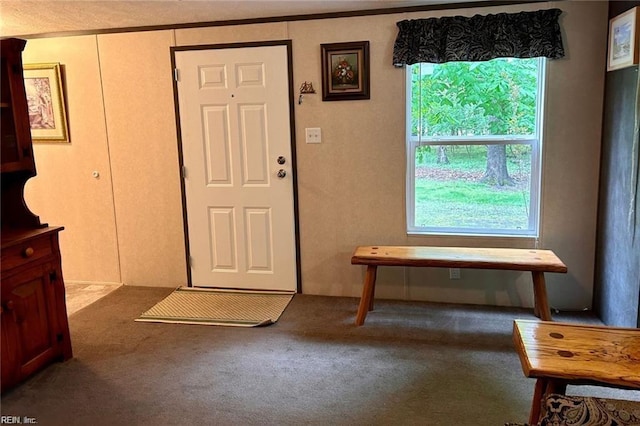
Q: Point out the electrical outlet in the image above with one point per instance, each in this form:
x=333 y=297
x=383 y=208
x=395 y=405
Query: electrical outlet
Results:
x=313 y=134
x=454 y=273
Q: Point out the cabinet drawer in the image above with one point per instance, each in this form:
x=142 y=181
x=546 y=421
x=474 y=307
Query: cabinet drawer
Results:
x=26 y=251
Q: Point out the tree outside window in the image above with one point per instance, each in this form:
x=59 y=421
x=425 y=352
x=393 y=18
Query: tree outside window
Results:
x=473 y=146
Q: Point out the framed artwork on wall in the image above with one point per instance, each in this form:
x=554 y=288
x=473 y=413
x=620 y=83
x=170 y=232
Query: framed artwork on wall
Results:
x=345 y=71
x=46 y=101
x=623 y=40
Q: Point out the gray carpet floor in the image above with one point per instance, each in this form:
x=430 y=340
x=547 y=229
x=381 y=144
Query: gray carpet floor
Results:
x=412 y=363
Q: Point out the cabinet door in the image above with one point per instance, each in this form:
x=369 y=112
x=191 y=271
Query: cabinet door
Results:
x=9 y=363
x=29 y=317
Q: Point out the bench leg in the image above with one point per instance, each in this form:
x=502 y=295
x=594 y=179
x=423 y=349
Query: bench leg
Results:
x=541 y=304
x=366 y=301
x=536 y=403
x=544 y=386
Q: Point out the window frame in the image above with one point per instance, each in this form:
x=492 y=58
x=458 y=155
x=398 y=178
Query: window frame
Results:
x=535 y=190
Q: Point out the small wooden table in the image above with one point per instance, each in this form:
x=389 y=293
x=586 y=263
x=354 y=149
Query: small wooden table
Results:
x=558 y=354
x=536 y=261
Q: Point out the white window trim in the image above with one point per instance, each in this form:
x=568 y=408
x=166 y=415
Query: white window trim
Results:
x=535 y=201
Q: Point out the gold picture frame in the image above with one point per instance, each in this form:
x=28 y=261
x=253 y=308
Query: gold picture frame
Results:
x=624 y=40
x=46 y=101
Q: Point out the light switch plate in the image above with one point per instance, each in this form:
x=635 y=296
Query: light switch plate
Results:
x=313 y=134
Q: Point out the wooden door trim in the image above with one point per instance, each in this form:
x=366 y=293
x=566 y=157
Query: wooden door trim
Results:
x=288 y=45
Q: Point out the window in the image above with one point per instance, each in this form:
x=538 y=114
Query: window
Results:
x=473 y=147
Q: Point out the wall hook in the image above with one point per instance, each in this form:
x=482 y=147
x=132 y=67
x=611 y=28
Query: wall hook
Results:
x=305 y=88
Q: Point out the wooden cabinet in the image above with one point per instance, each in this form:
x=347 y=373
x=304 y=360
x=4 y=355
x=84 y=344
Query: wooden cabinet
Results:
x=34 y=329
x=17 y=153
x=16 y=162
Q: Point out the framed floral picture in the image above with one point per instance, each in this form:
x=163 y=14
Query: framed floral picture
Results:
x=345 y=71
x=46 y=102
x=624 y=38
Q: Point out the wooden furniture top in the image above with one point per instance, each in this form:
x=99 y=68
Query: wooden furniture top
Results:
x=579 y=353
x=459 y=257
x=12 y=237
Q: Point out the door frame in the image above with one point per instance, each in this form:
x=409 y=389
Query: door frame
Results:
x=292 y=131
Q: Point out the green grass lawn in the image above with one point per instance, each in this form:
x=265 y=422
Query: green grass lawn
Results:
x=469 y=205
x=452 y=195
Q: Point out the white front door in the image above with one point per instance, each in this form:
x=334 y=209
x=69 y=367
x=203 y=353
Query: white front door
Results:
x=234 y=109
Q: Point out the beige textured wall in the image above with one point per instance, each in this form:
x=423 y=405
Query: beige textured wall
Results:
x=138 y=94
x=351 y=187
x=231 y=34
x=64 y=192
x=572 y=151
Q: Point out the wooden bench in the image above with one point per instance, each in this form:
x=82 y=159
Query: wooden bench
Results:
x=536 y=261
x=558 y=354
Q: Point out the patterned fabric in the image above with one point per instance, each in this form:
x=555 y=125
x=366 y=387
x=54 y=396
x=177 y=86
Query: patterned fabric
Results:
x=479 y=38
x=560 y=410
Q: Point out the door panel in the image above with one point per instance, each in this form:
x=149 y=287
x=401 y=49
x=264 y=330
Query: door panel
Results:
x=235 y=123
x=217 y=145
x=223 y=244
x=259 y=254
x=253 y=138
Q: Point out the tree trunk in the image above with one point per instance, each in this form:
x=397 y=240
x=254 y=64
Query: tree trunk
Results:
x=496 y=173
x=442 y=155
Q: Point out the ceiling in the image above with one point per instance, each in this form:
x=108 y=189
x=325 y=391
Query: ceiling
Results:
x=38 y=17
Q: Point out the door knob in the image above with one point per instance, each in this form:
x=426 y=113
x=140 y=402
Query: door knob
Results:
x=281 y=173
x=281 y=160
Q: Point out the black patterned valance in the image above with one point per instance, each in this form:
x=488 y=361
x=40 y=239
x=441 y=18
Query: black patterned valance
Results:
x=479 y=38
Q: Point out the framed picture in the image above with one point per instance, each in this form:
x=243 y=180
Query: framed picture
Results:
x=345 y=71
x=623 y=40
x=45 y=98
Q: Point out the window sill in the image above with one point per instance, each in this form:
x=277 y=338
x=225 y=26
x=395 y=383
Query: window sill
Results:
x=460 y=240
